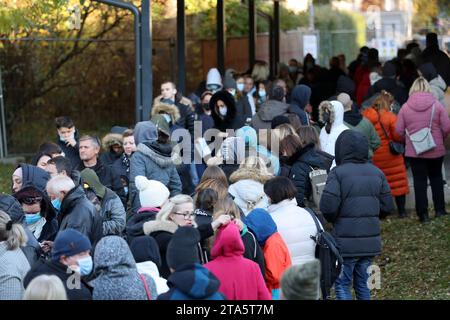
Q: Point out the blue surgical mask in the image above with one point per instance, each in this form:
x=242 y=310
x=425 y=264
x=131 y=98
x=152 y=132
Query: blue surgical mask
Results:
x=168 y=101
x=262 y=93
x=240 y=87
x=223 y=111
x=32 y=218
x=56 y=203
x=85 y=264
x=125 y=189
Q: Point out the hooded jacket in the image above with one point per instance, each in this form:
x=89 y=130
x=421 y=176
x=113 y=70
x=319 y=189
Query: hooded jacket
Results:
x=153 y=161
x=438 y=88
x=12 y=207
x=276 y=253
x=135 y=223
x=247 y=189
x=355 y=121
x=415 y=115
x=81 y=292
x=295 y=226
x=192 y=282
x=33 y=176
x=300 y=96
x=439 y=59
x=269 y=110
x=187 y=116
x=298 y=166
x=328 y=140
x=164 y=108
x=240 y=278
x=355 y=193
x=47 y=211
x=118 y=277
x=393 y=166
x=232 y=119
x=108 y=156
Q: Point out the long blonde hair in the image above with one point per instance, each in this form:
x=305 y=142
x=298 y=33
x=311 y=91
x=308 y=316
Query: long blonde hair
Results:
x=12 y=233
x=420 y=85
x=260 y=71
x=172 y=206
x=45 y=287
x=255 y=162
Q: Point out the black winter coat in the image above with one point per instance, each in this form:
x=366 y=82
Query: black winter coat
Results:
x=299 y=165
x=253 y=250
x=390 y=85
x=355 y=193
x=78 y=213
x=50 y=267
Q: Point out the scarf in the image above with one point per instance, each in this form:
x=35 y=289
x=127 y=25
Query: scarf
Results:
x=36 y=228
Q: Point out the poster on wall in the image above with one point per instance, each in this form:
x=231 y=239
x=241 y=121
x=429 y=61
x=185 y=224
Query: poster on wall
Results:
x=387 y=48
x=310 y=45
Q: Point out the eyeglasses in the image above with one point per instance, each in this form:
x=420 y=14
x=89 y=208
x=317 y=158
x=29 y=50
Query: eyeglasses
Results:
x=186 y=215
x=31 y=200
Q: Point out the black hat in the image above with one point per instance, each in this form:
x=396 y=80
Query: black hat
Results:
x=182 y=249
x=428 y=71
x=279 y=120
x=389 y=70
x=145 y=248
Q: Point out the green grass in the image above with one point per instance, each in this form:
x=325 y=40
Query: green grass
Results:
x=415 y=263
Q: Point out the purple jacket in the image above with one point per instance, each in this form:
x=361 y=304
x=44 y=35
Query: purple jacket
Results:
x=415 y=114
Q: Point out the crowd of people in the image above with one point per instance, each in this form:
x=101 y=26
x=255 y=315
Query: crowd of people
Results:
x=123 y=218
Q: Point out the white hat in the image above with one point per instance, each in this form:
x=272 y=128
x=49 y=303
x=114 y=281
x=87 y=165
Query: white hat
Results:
x=152 y=193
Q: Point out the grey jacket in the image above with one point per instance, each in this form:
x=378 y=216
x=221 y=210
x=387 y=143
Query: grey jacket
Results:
x=13 y=269
x=113 y=214
x=153 y=161
x=269 y=110
x=118 y=277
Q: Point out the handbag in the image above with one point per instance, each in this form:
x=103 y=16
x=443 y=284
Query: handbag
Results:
x=396 y=148
x=318 y=178
x=423 y=140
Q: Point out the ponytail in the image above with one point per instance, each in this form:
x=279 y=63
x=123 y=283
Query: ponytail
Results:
x=12 y=233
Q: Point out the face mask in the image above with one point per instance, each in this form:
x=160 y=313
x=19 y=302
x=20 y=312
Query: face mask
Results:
x=125 y=189
x=292 y=69
x=262 y=93
x=223 y=111
x=240 y=87
x=32 y=218
x=72 y=136
x=232 y=92
x=56 y=203
x=168 y=101
x=167 y=117
x=85 y=265
x=206 y=107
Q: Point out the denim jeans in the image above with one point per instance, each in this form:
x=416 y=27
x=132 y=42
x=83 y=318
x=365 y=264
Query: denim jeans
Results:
x=353 y=269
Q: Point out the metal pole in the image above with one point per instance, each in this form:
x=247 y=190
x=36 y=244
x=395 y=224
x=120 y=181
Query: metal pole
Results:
x=276 y=25
x=272 y=62
x=221 y=41
x=3 y=140
x=181 y=45
x=311 y=15
x=147 y=51
x=251 y=33
x=137 y=48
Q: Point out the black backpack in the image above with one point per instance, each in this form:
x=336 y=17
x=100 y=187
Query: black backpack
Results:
x=328 y=254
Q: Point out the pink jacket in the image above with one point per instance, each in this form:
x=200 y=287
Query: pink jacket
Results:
x=415 y=114
x=240 y=278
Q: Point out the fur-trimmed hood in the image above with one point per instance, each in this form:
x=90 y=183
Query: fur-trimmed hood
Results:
x=111 y=139
x=249 y=174
x=336 y=112
x=159 y=153
x=171 y=110
x=158 y=225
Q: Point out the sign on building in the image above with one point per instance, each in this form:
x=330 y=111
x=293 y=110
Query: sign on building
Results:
x=310 y=45
x=387 y=48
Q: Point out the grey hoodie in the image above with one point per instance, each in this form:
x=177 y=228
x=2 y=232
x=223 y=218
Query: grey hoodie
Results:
x=118 y=278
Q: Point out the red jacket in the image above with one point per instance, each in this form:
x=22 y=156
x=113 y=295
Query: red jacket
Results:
x=277 y=260
x=240 y=278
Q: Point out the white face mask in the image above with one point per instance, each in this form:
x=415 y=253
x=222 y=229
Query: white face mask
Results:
x=240 y=86
x=223 y=111
x=167 y=117
x=232 y=92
